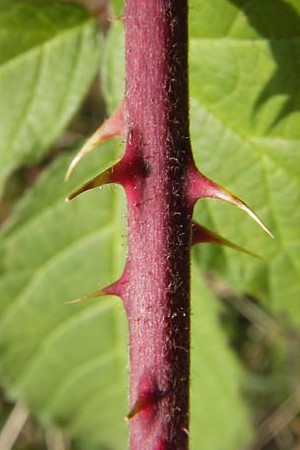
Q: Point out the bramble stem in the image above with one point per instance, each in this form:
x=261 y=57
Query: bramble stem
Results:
x=157 y=294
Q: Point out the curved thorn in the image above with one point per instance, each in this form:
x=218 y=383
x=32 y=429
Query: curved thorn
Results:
x=105 y=177
x=255 y=217
x=201 y=234
x=124 y=172
x=113 y=126
x=223 y=194
x=202 y=187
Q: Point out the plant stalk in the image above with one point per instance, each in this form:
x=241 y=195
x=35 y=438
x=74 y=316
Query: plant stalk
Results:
x=157 y=276
x=162 y=184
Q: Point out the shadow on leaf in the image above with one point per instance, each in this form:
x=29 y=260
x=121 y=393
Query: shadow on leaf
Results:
x=279 y=23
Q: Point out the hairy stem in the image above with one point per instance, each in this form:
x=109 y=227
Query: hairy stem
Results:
x=162 y=184
x=156 y=282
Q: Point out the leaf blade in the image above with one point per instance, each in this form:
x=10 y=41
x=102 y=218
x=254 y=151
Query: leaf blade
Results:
x=61 y=50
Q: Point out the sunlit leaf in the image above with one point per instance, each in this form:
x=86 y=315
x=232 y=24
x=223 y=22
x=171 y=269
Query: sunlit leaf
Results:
x=49 y=53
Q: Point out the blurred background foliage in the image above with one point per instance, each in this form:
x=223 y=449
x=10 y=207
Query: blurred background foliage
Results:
x=63 y=368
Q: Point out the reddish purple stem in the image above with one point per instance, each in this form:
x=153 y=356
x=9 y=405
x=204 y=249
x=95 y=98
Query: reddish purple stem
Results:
x=162 y=185
x=157 y=294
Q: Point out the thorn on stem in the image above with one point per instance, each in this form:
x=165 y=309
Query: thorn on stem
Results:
x=112 y=127
x=86 y=297
x=127 y=172
x=145 y=401
x=115 y=289
x=202 y=187
x=201 y=234
x=149 y=396
x=103 y=178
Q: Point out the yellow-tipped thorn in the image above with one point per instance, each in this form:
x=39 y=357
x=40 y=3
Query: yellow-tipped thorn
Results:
x=86 y=297
x=147 y=400
x=97 y=181
x=203 y=187
x=229 y=244
x=74 y=162
x=255 y=217
x=137 y=407
x=227 y=196
x=112 y=127
x=201 y=234
x=90 y=145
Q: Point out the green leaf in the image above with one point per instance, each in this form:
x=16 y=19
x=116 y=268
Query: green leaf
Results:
x=218 y=415
x=66 y=362
x=49 y=52
x=244 y=83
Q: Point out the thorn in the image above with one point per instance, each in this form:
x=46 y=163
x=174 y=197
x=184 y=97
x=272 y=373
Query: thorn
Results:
x=145 y=401
x=223 y=194
x=112 y=127
x=201 y=234
x=137 y=407
x=106 y=177
x=112 y=289
x=148 y=397
x=254 y=216
x=86 y=297
x=202 y=187
x=124 y=172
